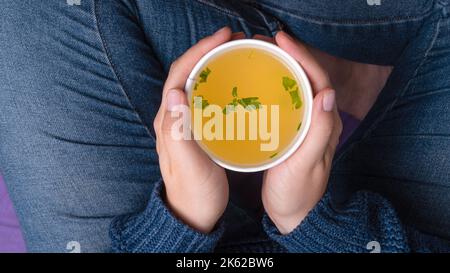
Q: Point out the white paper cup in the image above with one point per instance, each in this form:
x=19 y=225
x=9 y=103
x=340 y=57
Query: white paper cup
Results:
x=301 y=78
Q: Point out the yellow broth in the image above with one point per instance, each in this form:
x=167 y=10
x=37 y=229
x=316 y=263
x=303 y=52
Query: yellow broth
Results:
x=253 y=78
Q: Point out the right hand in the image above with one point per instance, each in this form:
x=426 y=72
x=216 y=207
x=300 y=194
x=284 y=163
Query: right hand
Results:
x=294 y=187
x=196 y=188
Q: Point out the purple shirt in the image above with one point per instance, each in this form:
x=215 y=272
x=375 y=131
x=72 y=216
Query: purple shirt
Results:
x=10 y=235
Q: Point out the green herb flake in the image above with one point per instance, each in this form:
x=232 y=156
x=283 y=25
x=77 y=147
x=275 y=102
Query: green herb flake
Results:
x=204 y=75
x=229 y=108
x=200 y=104
x=288 y=83
x=252 y=102
x=234 y=92
x=295 y=98
x=299 y=126
x=196 y=86
x=274 y=155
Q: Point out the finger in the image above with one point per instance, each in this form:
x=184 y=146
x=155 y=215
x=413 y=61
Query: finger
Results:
x=317 y=75
x=264 y=38
x=176 y=144
x=238 y=36
x=182 y=67
x=320 y=135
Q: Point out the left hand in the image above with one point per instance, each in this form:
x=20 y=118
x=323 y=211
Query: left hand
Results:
x=196 y=188
x=292 y=189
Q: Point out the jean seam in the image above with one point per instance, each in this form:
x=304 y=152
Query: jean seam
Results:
x=401 y=94
x=230 y=14
x=137 y=12
x=114 y=70
x=323 y=21
x=219 y=8
x=273 y=29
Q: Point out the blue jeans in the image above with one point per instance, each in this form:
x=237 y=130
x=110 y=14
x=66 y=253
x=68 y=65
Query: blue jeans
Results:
x=81 y=84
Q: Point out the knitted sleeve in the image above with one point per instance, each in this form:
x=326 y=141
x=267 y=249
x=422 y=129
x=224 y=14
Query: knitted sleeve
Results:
x=366 y=222
x=157 y=230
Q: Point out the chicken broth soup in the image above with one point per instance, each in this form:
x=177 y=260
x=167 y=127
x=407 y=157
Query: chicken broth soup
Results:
x=247 y=107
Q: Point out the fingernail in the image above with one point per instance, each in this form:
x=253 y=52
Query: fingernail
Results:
x=220 y=31
x=287 y=35
x=173 y=99
x=328 y=101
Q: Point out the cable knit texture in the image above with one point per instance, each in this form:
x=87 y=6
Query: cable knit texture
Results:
x=366 y=217
x=157 y=230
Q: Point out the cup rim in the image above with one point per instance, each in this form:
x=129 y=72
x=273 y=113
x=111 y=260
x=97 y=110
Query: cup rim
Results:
x=295 y=68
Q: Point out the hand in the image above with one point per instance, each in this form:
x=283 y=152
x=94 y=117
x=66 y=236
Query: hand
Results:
x=292 y=189
x=196 y=188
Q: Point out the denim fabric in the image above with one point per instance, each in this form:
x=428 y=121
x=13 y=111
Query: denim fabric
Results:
x=80 y=85
x=352 y=29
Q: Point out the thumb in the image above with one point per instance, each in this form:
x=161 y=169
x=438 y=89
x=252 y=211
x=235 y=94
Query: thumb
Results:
x=175 y=129
x=325 y=128
x=175 y=115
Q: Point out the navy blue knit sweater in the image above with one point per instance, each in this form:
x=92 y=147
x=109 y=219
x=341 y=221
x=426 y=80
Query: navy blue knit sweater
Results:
x=366 y=217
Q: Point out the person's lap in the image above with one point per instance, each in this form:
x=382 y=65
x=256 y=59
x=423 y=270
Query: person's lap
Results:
x=80 y=88
x=83 y=84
